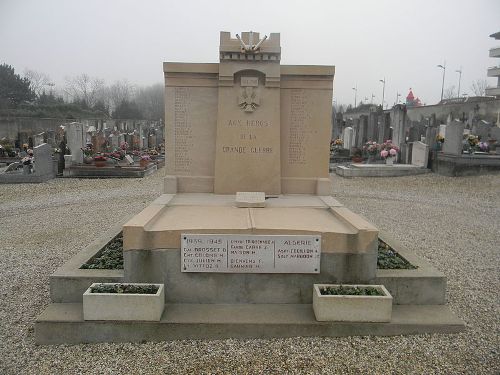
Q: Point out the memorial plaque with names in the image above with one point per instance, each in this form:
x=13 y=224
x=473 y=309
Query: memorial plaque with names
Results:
x=231 y=253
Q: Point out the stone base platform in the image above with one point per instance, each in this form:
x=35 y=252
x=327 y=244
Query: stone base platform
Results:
x=379 y=170
x=63 y=323
x=466 y=165
x=152 y=246
x=84 y=171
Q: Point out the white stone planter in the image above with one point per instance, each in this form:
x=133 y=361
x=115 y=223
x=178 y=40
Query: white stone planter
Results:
x=123 y=306
x=352 y=308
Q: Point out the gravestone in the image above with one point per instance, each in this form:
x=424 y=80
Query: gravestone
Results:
x=363 y=131
x=75 y=136
x=420 y=154
x=495 y=133
x=248 y=113
x=113 y=140
x=453 y=143
x=38 y=139
x=152 y=141
x=413 y=134
x=348 y=138
x=372 y=129
x=398 y=125
x=481 y=129
x=384 y=128
x=43 y=160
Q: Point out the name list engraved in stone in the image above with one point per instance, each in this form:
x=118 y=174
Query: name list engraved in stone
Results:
x=183 y=133
x=229 y=253
x=299 y=129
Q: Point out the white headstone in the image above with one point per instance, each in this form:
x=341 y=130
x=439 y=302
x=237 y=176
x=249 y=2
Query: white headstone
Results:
x=420 y=154
x=348 y=138
x=75 y=136
x=453 y=142
x=43 y=159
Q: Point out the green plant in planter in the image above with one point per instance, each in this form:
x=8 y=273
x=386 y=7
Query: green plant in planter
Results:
x=350 y=291
x=124 y=288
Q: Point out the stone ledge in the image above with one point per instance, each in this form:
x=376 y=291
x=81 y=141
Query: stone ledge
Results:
x=64 y=324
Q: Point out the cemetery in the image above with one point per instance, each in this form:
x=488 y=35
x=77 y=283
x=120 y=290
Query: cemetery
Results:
x=468 y=149
x=246 y=237
x=87 y=149
x=318 y=196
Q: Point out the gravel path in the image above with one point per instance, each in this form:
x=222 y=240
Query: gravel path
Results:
x=454 y=223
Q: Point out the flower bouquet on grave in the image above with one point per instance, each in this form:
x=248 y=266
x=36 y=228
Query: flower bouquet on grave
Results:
x=144 y=161
x=471 y=143
x=100 y=160
x=389 y=151
x=336 y=144
x=371 y=149
x=484 y=146
x=124 y=146
x=88 y=154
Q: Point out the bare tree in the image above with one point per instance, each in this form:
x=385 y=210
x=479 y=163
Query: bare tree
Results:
x=84 y=88
x=150 y=101
x=478 y=87
x=449 y=93
x=120 y=91
x=38 y=81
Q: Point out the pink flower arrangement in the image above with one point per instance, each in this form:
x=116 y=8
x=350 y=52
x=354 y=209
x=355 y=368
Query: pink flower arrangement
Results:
x=371 y=147
x=388 y=148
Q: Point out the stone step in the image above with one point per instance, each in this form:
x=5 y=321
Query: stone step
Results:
x=63 y=323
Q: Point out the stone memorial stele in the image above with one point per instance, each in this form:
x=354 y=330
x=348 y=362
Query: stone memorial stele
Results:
x=246 y=225
x=453 y=143
x=420 y=154
x=247 y=189
x=75 y=136
x=247 y=123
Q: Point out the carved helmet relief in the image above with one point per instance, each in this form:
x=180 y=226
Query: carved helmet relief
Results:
x=249 y=98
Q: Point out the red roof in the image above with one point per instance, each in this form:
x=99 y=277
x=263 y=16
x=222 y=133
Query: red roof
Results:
x=410 y=96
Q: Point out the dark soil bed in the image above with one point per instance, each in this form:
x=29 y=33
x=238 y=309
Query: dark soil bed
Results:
x=110 y=257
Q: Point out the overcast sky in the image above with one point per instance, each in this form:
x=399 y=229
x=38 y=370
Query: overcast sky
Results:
x=402 y=41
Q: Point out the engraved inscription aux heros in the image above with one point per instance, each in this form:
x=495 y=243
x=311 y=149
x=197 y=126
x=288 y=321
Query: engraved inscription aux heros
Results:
x=229 y=253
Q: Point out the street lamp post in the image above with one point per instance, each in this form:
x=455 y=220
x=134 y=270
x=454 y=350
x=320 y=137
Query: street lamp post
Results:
x=383 y=91
x=373 y=96
x=459 y=80
x=444 y=72
x=355 y=95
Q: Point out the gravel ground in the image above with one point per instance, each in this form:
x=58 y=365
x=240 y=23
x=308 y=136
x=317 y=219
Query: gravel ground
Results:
x=454 y=223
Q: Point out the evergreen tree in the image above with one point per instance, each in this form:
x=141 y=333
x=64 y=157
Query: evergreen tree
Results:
x=13 y=89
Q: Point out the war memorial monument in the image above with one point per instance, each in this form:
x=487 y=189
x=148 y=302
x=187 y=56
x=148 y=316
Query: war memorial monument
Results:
x=247 y=225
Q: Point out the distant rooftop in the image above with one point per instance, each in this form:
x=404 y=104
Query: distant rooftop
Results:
x=467 y=99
